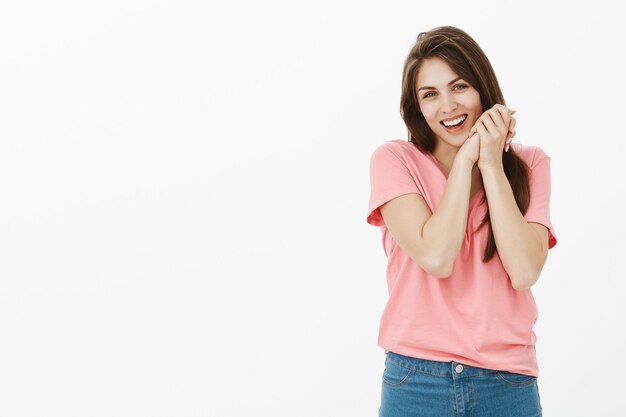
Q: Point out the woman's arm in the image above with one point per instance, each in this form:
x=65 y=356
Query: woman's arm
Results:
x=522 y=246
x=433 y=240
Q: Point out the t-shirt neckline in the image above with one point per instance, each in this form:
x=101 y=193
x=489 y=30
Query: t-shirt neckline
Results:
x=436 y=163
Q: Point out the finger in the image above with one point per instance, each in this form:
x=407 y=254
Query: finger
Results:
x=502 y=106
x=506 y=113
x=509 y=121
x=504 y=110
x=507 y=144
x=489 y=123
x=509 y=139
x=512 y=124
x=472 y=131
x=501 y=121
x=482 y=130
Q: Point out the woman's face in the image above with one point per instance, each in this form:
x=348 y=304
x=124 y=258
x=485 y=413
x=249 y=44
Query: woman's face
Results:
x=442 y=96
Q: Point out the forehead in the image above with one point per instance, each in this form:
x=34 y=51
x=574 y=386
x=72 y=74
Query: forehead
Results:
x=435 y=72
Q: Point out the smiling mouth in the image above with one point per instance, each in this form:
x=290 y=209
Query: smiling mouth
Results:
x=459 y=120
x=455 y=128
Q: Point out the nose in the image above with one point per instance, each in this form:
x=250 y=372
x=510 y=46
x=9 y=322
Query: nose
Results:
x=448 y=104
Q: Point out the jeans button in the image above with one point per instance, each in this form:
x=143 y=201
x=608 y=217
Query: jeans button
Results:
x=459 y=368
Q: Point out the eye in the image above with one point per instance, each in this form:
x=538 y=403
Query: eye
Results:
x=463 y=87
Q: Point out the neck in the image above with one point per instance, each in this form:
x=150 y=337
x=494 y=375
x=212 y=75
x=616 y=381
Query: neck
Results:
x=446 y=156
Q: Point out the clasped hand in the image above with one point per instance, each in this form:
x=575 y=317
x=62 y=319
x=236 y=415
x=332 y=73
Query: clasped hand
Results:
x=490 y=136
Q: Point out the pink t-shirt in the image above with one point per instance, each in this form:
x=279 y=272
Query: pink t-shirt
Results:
x=475 y=316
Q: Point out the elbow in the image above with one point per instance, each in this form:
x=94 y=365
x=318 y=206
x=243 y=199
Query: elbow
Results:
x=443 y=271
x=435 y=269
x=521 y=287
x=525 y=282
x=444 y=266
x=439 y=269
x=434 y=264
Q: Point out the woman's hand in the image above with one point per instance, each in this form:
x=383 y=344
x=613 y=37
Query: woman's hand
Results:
x=470 y=150
x=496 y=128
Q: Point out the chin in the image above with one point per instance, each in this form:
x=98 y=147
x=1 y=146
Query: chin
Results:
x=458 y=137
x=452 y=143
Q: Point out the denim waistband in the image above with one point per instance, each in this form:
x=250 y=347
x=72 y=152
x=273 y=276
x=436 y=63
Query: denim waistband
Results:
x=438 y=368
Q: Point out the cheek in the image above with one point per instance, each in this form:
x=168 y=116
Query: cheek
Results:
x=428 y=114
x=431 y=121
x=473 y=100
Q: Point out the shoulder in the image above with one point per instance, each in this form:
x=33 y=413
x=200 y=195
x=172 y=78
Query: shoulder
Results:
x=391 y=146
x=532 y=155
x=397 y=148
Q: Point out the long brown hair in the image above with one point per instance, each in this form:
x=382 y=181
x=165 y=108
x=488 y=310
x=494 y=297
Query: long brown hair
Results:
x=467 y=60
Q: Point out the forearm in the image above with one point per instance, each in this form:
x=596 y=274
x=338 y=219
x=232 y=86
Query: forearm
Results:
x=519 y=246
x=444 y=231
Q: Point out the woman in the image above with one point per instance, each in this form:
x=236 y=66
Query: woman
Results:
x=464 y=215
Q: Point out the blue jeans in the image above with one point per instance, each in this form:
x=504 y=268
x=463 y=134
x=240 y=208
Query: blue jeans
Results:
x=414 y=387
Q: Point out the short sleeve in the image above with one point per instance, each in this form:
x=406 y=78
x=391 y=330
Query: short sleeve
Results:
x=539 y=208
x=390 y=177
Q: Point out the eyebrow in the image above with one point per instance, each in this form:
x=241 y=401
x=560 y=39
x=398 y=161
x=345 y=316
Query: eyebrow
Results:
x=433 y=88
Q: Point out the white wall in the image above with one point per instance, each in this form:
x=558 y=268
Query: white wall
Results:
x=184 y=185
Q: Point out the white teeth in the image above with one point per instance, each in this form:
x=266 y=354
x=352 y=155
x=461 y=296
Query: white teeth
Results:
x=455 y=121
